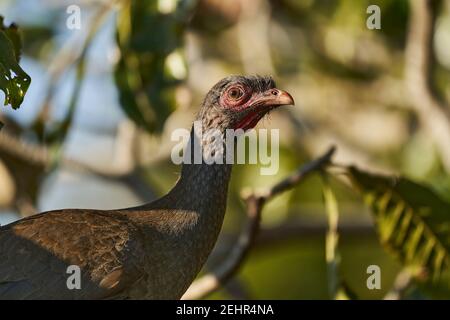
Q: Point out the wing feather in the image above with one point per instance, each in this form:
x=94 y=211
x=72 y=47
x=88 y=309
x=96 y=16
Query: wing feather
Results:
x=35 y=253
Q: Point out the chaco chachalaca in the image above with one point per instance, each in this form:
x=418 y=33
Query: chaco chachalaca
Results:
x=153 y=251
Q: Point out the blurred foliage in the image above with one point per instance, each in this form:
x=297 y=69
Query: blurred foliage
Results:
x=14 y=82
x=296 y=269
x=150 y=68
x=37 y=40
x=412 y=221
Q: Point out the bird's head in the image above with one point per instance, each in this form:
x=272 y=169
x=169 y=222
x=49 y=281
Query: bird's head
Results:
x=239 y=102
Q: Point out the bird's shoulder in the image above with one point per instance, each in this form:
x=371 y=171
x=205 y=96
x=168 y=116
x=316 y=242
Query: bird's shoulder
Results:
x=37 y=250
x=71 y=229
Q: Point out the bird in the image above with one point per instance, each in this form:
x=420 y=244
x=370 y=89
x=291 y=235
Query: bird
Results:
x=151 y=251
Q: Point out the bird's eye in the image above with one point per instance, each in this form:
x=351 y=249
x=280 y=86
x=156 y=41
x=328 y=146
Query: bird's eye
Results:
x=235 y=93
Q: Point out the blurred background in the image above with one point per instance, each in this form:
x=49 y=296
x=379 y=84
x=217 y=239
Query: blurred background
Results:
x=94 y=128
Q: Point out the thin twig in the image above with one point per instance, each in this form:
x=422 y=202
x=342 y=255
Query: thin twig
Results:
x=59 y=132
x=69 y=55
x=331 y=240
x=254 y=202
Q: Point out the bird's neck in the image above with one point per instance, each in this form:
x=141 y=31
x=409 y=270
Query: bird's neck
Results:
x=205 y=174
x=201 y=191
x=188 y=218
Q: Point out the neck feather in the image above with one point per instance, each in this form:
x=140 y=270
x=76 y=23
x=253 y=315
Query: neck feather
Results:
x=205 y=173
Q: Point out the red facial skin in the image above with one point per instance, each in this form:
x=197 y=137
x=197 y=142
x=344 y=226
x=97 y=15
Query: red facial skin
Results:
x=253 y=106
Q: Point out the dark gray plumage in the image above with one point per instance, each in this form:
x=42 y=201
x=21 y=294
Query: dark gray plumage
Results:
x=152 y=251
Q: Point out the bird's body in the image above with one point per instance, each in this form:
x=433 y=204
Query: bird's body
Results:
x=122 y=253
x=149 y=252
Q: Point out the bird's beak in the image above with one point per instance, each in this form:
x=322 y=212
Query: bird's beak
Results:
x=273 y=98
x=262 y=104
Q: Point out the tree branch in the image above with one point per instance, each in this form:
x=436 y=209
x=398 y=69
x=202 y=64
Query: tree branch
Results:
x=254 y=202
x=40 y=156
x=432 y=112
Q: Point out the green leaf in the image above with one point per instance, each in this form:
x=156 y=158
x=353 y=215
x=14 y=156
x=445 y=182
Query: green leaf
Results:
x=412 y=221
x=148 y=40
x=14 y=82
